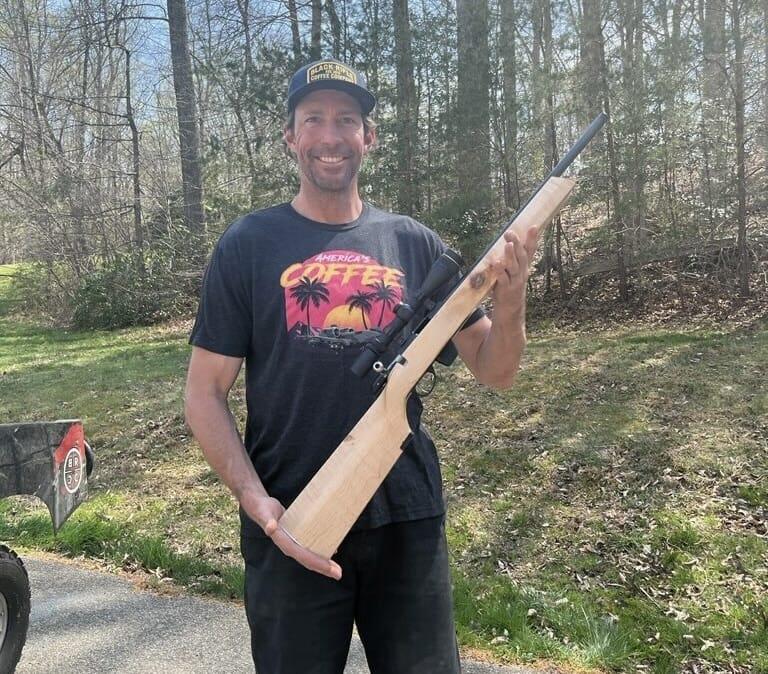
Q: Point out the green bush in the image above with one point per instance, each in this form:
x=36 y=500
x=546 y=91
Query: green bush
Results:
x=132 y=290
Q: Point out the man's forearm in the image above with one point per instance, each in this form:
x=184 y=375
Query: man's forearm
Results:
x=215 y=430
x=499 y=355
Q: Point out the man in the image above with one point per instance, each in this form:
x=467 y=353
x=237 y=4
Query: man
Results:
x=294 y=290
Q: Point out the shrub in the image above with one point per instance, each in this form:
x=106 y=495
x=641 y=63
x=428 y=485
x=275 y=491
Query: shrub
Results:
x=131 y=290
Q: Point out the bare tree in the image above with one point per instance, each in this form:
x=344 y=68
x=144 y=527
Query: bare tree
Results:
x=508 y=29
x=293 y=16
x=597 y=96
x=765 y=101
x=315 y=50
x=189 y=144
x=472 y=104
x=407 y=198
x=713 y=87
x=333 y=19
x=631 y=17
x=739 y=101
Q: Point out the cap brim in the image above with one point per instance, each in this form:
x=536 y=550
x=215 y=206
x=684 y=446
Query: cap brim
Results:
x=365 y=98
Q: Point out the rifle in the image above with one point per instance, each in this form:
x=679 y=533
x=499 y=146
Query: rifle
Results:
x=324 y=512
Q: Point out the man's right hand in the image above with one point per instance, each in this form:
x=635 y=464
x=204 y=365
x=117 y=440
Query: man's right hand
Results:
x=266 y=512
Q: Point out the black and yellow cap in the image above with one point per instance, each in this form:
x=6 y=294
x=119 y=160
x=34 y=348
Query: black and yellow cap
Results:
x=330 y=74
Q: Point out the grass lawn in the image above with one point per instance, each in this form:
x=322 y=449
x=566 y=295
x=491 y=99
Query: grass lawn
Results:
x=608 y=512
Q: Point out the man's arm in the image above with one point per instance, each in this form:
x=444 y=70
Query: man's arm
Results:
x=492 y=350
x=209 y=380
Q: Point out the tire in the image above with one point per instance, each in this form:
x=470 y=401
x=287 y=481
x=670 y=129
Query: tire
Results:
x=14 y=608
x=90 y=460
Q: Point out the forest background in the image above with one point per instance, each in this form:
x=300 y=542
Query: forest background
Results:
x=477 y=99
x=610 y=510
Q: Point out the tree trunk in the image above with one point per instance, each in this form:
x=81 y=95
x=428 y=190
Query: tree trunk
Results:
x=668 y=120
x=559 y=256
x=509 y=71
x=78 y=194
x=315 y=49
x=545 y=114
x=538 y=117
x=765 y=102
x=430 y=129
x=554 y=242
x=618 y=223
x=372 y=10
x=293 y=16
x=138 y=228
x=333 y=19
x=597 y=95
x=473 y=106
x=407 y=193
x=189 y=143
x=636 y=89
x=245 y=92
x=591 y=60
x=741 y=174
x=712 y=117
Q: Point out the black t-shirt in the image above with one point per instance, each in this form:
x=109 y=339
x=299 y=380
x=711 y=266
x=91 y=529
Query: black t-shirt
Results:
x=296 y=299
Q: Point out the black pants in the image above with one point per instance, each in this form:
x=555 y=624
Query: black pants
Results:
x=395 y=586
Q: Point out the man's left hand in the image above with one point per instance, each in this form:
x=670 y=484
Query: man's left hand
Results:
x=492 y=350
x=512 y=271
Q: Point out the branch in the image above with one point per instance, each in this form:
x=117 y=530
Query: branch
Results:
x=17 y=152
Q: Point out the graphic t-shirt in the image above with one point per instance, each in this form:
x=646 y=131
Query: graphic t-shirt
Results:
x=298 y=299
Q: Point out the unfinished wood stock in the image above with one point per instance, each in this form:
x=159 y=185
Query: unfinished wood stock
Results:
x=328 y=506
x=324 y=512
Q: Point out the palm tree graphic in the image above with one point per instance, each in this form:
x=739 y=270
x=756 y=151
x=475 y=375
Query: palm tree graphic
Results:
x=385 y=294
x=362 y=301
x=309 y=291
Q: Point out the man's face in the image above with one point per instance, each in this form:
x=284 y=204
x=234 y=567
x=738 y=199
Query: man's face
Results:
x=328 y=140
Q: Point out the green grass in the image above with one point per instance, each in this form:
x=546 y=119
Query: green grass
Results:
x=607 y=512
x=96 y=530
x=625 y=471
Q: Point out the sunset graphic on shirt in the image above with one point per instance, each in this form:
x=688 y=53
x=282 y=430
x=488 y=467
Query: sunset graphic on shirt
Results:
x=339 y=292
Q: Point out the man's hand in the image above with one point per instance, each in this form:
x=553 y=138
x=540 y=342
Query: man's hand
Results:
x=512 y=270
x=266 y=512
x=492 y=350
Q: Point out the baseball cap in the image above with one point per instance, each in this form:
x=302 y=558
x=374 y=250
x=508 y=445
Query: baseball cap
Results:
x=330 y=74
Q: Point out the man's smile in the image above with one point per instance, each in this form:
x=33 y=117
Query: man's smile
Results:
x=330 y=158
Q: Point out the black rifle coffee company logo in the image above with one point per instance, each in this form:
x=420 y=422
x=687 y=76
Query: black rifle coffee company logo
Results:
x=328 y=70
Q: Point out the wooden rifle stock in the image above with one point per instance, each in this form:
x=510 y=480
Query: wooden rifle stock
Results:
x=324 y=512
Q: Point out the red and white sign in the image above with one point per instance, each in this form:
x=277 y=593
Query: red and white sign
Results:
x=73 y=470
x=70 y=459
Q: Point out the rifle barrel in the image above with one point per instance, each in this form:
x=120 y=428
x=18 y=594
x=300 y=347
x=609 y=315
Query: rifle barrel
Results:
x=581 y=143
x=587 y=135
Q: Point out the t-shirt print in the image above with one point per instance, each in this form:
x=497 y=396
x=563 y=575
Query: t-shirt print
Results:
x=332 y=298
